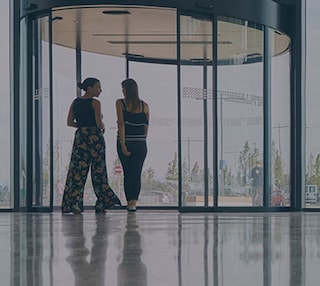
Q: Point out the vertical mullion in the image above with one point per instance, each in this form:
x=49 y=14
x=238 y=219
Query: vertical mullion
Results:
x=205 y=130
x=15 y=103
x=179 y=110
x=215 y=110
x=51 y=168
x=267 y=152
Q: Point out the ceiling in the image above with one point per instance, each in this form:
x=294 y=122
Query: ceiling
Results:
x=151 y=33
x=286 y=2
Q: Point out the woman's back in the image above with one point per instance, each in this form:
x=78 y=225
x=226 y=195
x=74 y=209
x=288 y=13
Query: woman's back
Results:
x=84 y=112
x=135 y=122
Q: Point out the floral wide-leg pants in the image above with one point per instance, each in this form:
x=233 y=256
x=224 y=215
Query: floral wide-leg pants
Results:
x=89 y=150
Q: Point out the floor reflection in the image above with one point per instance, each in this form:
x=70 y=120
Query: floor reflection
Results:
x=159 y=248
x=31 y=249
x=88 y=266
x=131 y=270
x=256 y=250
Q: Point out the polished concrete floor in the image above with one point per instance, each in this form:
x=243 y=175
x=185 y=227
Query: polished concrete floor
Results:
x=160 y=248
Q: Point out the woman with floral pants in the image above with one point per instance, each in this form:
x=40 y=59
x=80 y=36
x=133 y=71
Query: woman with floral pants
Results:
x=89 y=151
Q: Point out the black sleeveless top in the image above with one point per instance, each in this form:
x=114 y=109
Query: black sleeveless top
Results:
x=84 y=112
x=134 y=124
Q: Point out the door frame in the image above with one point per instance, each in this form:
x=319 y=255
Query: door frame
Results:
x=206 y=207
x=34 y=175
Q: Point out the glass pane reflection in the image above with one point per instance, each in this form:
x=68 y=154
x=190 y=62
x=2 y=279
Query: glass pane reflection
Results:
x=280 y=124
x=5 y=165
x=240 y=114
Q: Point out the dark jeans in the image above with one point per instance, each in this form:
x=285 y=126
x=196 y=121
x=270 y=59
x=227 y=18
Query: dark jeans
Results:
x=132 y=167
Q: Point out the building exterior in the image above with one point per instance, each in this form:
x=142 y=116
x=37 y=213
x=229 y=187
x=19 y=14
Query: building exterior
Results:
x=226 y=82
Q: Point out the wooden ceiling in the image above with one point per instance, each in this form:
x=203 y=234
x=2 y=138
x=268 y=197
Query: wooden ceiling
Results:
x=151 y=33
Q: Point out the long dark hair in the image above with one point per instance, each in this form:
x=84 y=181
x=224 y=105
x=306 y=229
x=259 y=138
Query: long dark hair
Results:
x=132 y=93
x=88 y=82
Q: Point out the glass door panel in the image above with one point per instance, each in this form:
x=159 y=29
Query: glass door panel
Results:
x=196 y=94
x=64 y=92
x=41 y=140
x=23 y=91
x=280 y=193
x=240 y=113
x=110 y=79
x=160 y=172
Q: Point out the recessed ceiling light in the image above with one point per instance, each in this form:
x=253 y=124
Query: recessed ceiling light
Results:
x=57 y=18
x=200 y=60
x=116 y=12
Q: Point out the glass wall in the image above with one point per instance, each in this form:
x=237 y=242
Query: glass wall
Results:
x=112 y=55
x=240 y=113
x=280 y=123
x=196 y=109
x=23 y=116
x=312 y=188
x=41 y=114
x=111 y=72
x=157 y=86
x=64 y=92
x=5 y=165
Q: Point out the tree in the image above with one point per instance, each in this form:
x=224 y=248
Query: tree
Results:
x=227 y=176
x=280 y=178
x=316 y=179
x=277 y=169
x=254 y=156
x=247 y=158
x=172 y=171
x=313 y=170
x=185 y=175
x=309 y=169
x=148 y=174
x=194 y=176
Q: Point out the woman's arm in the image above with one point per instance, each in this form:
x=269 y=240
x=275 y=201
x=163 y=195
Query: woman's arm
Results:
x=71 y=121
x=97 y=113
x=121 y=127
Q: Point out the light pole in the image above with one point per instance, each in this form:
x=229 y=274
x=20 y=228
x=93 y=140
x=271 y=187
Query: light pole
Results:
x=188 y=153
x=279 y=127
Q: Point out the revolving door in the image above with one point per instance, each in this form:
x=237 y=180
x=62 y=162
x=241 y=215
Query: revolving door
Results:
x=218 y=90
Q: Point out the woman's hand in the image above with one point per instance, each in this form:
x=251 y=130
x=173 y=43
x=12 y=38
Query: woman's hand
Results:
x=124 y=149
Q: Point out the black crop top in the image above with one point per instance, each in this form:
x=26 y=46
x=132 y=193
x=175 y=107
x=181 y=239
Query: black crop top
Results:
x=134 y=123
x=84 y=112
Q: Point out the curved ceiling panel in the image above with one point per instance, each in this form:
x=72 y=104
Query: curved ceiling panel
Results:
x=151 y=33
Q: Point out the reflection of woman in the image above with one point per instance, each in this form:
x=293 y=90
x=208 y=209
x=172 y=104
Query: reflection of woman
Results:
x=92 y=272
x=132 y=119
x=88 y=151
x=131 y=270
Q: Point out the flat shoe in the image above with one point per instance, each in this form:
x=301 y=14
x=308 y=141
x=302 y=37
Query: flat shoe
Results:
x=131 y=208
x=102 y=211
x=76 y=210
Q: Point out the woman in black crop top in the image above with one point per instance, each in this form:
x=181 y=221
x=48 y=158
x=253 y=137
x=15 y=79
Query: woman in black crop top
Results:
x=133 y=120
x=88 y=151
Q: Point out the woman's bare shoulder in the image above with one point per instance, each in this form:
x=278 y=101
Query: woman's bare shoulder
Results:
x=96 y=102
x=119 y=102
x=146 y=105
